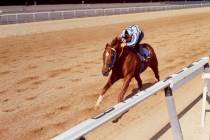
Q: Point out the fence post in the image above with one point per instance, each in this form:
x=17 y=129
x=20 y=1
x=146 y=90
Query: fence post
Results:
x=175 y=125
x=74 y=13
x=34 y=18
x=62 y=14
x=206 y=78
x=95 y=12
x=16 y=18
x=48 y=15
x=7 y=19
x=205 y=91
x=113 y=11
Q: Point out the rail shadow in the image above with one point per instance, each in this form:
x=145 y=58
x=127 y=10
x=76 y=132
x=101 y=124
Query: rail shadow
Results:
x=180 y=115
x=134 y=91
x=207 y=110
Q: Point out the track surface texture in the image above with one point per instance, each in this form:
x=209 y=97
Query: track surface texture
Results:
x=50 y=73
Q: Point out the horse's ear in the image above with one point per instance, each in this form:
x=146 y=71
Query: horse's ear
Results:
x=107 y=44
x=114 y=41
x=119 y=39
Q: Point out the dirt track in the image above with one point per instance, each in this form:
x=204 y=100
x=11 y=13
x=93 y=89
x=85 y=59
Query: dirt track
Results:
x=50 y=81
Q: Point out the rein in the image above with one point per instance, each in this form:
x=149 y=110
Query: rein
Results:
x=114 y=57
x=121 y=52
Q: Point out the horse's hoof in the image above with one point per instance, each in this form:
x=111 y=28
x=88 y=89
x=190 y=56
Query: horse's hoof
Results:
x=82 y=138
x=115 y=120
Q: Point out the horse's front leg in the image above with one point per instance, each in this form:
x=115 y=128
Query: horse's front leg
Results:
x=113 y=78
x=126 y=83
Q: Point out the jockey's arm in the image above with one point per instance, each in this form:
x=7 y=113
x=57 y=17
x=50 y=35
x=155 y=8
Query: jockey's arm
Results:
x=134 y=40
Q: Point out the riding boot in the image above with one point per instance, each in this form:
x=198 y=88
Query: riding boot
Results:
x=141 y=53
x=141 y=57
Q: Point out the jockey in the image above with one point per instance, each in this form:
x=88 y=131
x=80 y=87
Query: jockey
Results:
x=131 y=37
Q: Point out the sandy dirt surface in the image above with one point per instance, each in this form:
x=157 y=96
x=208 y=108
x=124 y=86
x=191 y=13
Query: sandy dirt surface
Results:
x=50 y=72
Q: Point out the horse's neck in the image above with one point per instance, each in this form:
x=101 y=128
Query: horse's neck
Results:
x=125 y=52
x=129 y=51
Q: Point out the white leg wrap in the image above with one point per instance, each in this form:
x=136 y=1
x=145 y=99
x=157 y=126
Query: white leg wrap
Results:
x=100 y=98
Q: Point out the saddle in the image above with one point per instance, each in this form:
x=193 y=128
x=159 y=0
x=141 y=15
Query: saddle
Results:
x=145 y=52
x=143 y=55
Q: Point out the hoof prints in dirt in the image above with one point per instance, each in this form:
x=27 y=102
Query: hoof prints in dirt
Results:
x=5 y=100
x=60 y=87
x=64 y=107
x=55 y=73
x=91 y=97
x=78 y=65
x=27 y=79
x=87 y=67
x=49 y=114
x=38 y=82
x=75 y=80
x=38 y=131
x=58 y=109
x=92 y=62
x=60 y=124
x=51 y=60
x=78 y=71
x=93 y=75
x=4 y=72
x=3 y=57
x=32 y=67
x=73 y=57
x=9 y=110
x=21 y=90
x=3 y=91
x=31 y=98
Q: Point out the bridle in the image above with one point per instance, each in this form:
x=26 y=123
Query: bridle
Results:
x=114 y=56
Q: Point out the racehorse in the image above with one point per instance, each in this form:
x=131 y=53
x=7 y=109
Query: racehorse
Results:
x=126 y=64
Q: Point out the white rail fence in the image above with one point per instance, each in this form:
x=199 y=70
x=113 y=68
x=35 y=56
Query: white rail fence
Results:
x=67 y=14
x=169 y=85
x=206 y=91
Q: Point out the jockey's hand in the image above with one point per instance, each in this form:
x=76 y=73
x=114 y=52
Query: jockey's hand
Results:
x=123 y=44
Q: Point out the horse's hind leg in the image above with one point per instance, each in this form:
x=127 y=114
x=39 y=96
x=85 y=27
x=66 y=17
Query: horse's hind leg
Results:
x=127 y=80
x=139 y=81
x=109 y=83
x=154 y=67
x=126 y=83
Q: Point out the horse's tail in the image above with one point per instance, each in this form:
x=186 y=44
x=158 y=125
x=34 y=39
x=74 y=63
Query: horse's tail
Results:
x=151 y=50
x=153 y=62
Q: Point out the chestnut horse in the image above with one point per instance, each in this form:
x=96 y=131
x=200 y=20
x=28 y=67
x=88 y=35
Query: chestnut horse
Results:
x=126 y=64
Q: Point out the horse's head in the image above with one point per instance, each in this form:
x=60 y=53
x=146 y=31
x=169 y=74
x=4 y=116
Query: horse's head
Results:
x=110 y=56
x=109 y=59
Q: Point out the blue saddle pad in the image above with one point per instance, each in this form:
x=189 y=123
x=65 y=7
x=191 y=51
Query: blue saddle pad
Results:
x=147 y=54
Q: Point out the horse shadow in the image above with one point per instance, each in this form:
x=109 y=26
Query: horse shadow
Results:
x=134 y=92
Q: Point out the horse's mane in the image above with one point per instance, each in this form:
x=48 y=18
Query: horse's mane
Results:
x=115 y=41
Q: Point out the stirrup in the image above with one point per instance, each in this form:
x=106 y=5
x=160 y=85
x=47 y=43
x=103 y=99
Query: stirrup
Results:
x=147 y=59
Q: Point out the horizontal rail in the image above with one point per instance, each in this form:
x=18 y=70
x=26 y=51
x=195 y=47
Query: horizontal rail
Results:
x=67 y=14
x=111 y=9
x=181 y=77
x=173 y=81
